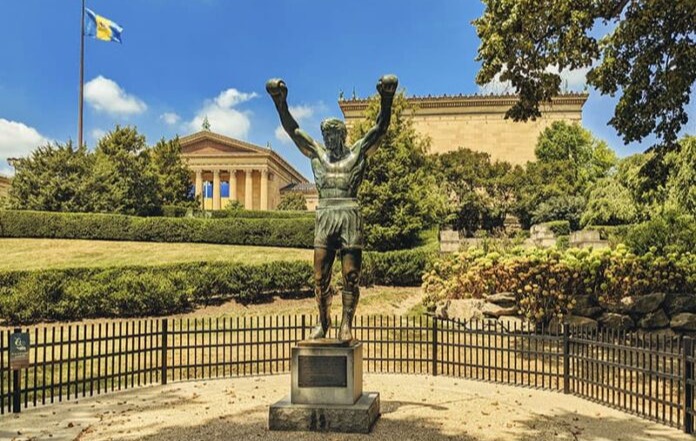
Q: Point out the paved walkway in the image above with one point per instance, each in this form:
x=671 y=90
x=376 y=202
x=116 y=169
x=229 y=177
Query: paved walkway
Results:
x=413 y=408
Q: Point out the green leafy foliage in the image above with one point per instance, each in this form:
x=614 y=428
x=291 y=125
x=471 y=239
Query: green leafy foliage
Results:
x=649 y=58
x=173 y=175
x=398 y=197
x=670 y=232
x=292 y=201
x=546 y=282
x=481 y=192
x=609 y=203
x=295 y=232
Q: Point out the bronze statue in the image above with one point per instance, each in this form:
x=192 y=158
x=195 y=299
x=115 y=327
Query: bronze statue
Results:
x=338 y=171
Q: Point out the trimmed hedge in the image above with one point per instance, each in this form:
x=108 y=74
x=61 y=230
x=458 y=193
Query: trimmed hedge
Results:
x=261 y=214
x=559 y=227
x=295 y=232
x=78 y=293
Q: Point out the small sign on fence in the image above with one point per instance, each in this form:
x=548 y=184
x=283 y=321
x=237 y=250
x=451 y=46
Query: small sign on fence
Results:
x=19 y=350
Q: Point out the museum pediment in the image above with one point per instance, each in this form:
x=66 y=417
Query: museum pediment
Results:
x=209 y=143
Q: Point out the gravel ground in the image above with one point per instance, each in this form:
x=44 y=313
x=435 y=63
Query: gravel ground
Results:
x=413 y=408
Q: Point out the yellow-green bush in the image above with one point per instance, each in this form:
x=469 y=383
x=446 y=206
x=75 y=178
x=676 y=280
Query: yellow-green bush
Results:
x=545 y=281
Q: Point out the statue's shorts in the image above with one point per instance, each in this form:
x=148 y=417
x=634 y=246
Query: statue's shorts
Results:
x=338 y=224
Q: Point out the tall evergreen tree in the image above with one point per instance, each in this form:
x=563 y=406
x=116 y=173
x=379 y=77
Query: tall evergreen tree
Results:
x=122 y=180
x=173 y=175
x=52 y=178
x=398 y=198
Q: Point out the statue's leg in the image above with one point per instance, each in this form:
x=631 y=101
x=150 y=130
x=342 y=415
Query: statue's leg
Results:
x=351 y=260
x=323 y=261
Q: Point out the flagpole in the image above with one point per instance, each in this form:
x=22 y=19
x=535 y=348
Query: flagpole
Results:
x=82 y=76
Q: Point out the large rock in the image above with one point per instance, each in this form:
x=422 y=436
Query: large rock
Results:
x=643 y=304
x=680 y=302
x=574 y=321
x=585 y=306
x=516 y=324
x=493 y=310
x=616 y=321
x=466 y=309
x=686 y=321
x=654 y=320
x=504 y=299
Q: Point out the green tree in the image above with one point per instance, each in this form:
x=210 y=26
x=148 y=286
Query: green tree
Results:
x=681 y=184
x=649 y=58
x=122 y=180
x=480 y=192
x=399 y=198
x=173 y=175
x=53 y=178
x=569 y=160
x=292 y=201
x=609 y=203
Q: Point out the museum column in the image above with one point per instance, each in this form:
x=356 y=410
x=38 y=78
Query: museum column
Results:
x=216 y=189
x=199 y=182
x=264 y=189
x=233 y=185
x=248 y=201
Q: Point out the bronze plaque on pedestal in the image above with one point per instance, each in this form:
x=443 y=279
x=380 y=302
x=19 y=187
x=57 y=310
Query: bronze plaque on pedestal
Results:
x=322 y=371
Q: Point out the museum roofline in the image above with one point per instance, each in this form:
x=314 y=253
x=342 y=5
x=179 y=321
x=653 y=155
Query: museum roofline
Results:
x=203 y=134
x=462 y=100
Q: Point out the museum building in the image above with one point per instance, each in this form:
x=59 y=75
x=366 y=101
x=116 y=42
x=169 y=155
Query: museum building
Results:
x=227 y=169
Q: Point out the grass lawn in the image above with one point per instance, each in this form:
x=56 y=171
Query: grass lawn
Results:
x=34 y=254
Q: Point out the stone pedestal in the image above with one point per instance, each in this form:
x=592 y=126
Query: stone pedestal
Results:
x=326 y=392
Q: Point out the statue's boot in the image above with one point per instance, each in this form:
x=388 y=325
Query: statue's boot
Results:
x=350 y=304
x=324 y=298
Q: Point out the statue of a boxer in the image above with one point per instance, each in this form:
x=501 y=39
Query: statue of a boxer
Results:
x=338 y=172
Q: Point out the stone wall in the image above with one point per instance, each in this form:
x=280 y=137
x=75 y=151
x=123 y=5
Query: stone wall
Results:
x=665 y=313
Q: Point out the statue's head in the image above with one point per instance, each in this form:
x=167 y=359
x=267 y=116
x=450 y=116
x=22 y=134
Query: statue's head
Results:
x=334 y=132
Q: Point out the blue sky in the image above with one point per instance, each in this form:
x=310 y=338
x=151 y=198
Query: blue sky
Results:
x=183 y=59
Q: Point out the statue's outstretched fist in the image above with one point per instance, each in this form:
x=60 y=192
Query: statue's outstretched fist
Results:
x=276 y=88
x=386 y=86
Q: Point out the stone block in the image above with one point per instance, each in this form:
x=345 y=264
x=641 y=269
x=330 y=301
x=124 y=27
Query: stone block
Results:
x=504 y=299
x=493 y=310
x=616 y=321
x=643 y=304
x=584 y=236
x=326 y=374
x=686 y=321
x=354 y=418
x=654 y=320
x=677 y=303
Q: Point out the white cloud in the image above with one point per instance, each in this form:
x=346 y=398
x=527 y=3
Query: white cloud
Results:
x=572 y=80
x=301 y=113
x=97 y=134
x=104 y=95
x=16 y=140
x=222 y=115
x=170 y=118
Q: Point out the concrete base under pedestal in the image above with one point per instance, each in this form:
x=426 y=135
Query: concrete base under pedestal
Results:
x=355 y=418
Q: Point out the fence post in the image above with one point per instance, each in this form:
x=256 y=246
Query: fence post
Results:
x=688 y=388
x=303 y=327
x=16 y=387
x=165 y=335
x=434 y=368
x=566 y=358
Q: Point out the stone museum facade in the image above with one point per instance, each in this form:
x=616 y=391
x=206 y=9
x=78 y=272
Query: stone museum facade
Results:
x=478 y=122
x=227 y=169
x=5 y=183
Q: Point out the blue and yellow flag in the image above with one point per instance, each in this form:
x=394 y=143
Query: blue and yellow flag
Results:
x=101 y=28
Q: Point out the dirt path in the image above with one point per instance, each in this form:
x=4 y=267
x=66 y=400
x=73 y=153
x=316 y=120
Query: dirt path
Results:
x=413 y=408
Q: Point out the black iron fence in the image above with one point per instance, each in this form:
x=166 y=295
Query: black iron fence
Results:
x=646 y=375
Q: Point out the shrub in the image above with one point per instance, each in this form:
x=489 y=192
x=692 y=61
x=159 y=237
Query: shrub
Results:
x=255 y=214
x=395 y=268
x=283 y=232
x=545 y=282
x=663 y=234
x=78 y=293
x=559 y=228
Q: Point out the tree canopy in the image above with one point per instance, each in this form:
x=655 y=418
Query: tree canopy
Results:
x=292 y=201
x=398 y=198
x=649 y=58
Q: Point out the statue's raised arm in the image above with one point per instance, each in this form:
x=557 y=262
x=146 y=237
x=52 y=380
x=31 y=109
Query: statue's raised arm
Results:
x=278 y=91
x=386 y=86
